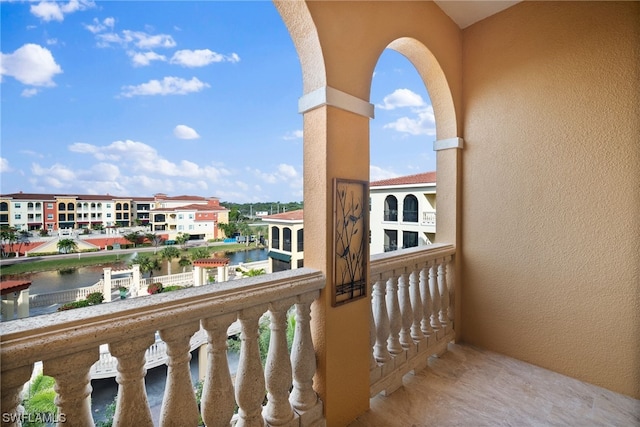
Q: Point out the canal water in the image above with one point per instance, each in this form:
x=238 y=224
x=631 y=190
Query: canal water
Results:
x=52 y=281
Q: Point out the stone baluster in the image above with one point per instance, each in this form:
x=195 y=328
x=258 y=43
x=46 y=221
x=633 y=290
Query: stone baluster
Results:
x=250 y=385
x=443 y=293
x=132 y=407
x=11 y=382
x=435 y=296
x=372 y=334
x=451 y=289
x=380 y=351
x=179 y=407
x=427 y=306
x=278 y=411
x=395 y=314
x=303 y=357
x=416 y=304
x=217 y=394
x=405 y=307
x=73 y=386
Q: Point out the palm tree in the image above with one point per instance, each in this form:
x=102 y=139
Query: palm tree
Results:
x=199 y=253
x=147 y=263
x=133 y=237
x=169 y=253
x=184 y=262
x=182 y=238
x=66 y=246
x=155 y=240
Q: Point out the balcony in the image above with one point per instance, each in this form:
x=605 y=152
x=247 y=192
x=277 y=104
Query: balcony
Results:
x=411 y=319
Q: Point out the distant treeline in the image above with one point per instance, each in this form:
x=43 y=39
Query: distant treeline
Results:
x=250 y=209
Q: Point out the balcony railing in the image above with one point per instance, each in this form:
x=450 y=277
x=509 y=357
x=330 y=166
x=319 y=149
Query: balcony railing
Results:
x=68 y=344
x=412 y=296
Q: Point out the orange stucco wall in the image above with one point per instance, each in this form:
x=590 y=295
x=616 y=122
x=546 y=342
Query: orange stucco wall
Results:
x=551 y=193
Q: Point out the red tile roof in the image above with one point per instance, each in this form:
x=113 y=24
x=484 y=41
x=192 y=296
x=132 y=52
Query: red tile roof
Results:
x=8 y=286
x=420 y=178
x=296 y=215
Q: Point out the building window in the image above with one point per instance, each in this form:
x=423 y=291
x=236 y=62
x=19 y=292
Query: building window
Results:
x=301 y=240
x=410 y=209
x=300 y=263
x=17 y=216
x=275 y=238
x=286 y=239
x=49 y=205
x=277 y=265
x=4 y=206
x=50 y=216
x=390 y=208
x=409 y=239
x=180 y=216
x=118 y=207
x=125 y=206
x=17 y=205
x=69 y=206
x=62 y=207
x=30 y=205
x=4 y=218
x=62 y=217
x=108 y=215
x=390 y=240
x=190 y=216
x=71 y=217
x=29 y=217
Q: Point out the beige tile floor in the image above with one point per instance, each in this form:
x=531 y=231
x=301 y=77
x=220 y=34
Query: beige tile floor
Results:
x=468 y=386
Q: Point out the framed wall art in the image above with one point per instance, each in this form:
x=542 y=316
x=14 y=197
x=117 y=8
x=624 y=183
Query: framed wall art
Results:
x=350 y=240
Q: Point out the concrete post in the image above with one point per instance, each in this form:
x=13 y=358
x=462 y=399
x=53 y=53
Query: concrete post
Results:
x=106 y=289
x=23 y=304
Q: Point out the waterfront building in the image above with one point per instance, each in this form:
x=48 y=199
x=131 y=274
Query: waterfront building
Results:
x=286 y=240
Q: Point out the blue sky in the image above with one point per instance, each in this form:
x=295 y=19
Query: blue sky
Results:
x=133 y=98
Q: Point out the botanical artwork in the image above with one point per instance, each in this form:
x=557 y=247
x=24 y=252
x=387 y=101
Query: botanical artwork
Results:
x=350 y=240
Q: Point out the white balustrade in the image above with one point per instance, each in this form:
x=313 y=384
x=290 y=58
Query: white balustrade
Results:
x=423 y=324
x=70 y=349
x=60 y=297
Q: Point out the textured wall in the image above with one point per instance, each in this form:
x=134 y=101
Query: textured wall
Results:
x=551 y=188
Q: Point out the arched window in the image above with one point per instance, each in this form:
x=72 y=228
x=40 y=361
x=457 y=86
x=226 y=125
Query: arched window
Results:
x=286 y=239
x=62 y=207
x=4 y=206
x=410 y=209
x=275 y=238
x=38 y=205
x=93 y=205
x=79 y=205
x=125 y=206
x=391 y=208
x=301 y=240
x=69 y=206
x=118 y=206
x=30 y=205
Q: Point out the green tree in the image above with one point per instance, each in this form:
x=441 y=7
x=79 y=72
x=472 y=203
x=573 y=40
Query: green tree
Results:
x=228 y=229
x=155 y=240
x=67 y=246
x=200 y=253
x=133 y=237
x=169 y=253
x=40 y=400
x=147 y=264
x=182 y=239
x=9 y=236
x=184 y=262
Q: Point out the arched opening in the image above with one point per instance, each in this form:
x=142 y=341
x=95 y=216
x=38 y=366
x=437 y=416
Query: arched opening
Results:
x=410 y=209
x=390 y=208
x=275 y=237
x=286 y=239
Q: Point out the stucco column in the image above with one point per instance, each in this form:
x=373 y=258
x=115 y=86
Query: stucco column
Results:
x=448 y=212
x=336 y=145
x=135 y=283
x=23 y=304
x=197 y=276
x=106 y=288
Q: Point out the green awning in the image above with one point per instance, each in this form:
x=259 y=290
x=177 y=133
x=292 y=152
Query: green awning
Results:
x=279 y=256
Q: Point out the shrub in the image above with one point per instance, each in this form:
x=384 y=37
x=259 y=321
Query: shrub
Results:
x=172 y=288
x=109 y=247
x=95 y=298
x=154 y=288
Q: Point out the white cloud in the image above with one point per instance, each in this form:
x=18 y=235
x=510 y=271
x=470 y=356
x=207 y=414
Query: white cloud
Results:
x=139 y=39
x=377 y=173
x=296 y=134
x=55 y=176
x=283 y=173
x=423 y=124
x=185 y=132
x=166 y=86
x=52 y=42
x=31 y=64
x=201 y=57
x=28 y=93
x=142 y=59
x=98 y=26
x=401 y=98
x=4 y=165
x=55 y=11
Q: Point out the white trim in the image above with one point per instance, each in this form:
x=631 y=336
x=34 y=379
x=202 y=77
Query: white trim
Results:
x=445 y=144
x=336 y=98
